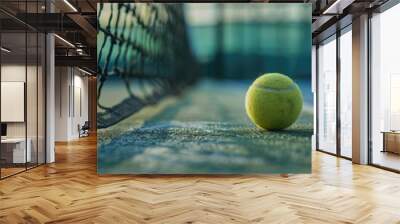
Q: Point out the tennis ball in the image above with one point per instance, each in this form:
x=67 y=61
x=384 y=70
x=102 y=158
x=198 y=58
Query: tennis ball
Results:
x=274 y=101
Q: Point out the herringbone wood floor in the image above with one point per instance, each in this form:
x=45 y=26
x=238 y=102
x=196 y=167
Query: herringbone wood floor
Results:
x=70 y=191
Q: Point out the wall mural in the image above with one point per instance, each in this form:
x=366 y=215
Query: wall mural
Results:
x=216 y=88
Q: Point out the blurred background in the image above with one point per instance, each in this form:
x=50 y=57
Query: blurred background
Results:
x=243 y=41
x=172 y=80
x=146 y=51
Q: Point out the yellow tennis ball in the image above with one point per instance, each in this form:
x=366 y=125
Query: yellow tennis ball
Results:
x=274 y=101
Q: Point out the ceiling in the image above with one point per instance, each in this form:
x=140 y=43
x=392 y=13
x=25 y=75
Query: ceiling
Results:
x=75 y=21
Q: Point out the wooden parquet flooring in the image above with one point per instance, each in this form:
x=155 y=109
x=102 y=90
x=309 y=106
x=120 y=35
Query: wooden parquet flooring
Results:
x=70 y=191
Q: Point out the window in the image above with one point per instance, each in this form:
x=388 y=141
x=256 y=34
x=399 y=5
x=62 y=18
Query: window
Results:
x=385 y=89
x=327 y=96
x=346 y=92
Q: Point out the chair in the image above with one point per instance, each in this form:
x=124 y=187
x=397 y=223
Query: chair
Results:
x=84 y=130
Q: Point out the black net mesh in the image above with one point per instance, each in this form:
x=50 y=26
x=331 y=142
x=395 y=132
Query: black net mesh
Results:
x=146 y=47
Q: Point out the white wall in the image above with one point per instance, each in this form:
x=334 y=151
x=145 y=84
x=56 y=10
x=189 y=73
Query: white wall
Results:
x=81 y=102
x=13 y=100
x=62 y=81
x=33 y=126
x=71 y=102
x=14 y=72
